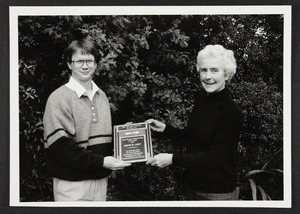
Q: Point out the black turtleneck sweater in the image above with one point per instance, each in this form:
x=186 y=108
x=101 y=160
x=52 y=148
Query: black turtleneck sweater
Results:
x=211 y=138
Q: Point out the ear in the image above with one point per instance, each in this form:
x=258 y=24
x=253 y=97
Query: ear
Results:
x=197 y=67
x=69 y=65
x=226 y=76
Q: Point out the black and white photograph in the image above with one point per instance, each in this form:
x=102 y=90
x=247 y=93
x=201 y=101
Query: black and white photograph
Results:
x=213 y=83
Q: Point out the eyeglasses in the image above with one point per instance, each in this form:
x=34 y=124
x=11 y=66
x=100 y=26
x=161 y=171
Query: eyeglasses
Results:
x=79 y=63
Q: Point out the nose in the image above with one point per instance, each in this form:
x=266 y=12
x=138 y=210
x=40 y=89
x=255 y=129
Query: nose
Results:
x=85 y=64
x=208 y=75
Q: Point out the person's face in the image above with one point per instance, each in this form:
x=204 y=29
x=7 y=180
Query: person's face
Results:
x=85 y=72
x=212 y=75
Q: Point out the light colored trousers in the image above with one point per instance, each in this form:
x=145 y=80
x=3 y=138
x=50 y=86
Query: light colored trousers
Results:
x=191 y=194
x=86 y=190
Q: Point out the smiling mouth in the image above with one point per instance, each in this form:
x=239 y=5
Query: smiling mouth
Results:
x=206 y=83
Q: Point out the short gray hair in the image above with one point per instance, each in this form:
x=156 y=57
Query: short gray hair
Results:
x=226 y=56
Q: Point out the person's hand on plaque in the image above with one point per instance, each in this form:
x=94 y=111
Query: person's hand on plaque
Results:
x=156 y=125
x=112 y=163
x=160 y=160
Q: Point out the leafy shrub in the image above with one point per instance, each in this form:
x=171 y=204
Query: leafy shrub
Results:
x=262 y=132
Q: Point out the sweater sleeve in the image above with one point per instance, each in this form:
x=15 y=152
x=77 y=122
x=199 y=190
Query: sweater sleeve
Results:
x=181 y=135
x=67 y=152
x=224 y=140
x=176 y=134
x=59 y=134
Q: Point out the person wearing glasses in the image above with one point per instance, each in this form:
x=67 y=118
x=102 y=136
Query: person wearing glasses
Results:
x=212 y=133
x=78 y=131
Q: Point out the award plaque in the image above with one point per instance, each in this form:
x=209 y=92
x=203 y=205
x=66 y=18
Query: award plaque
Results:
x=132 y=142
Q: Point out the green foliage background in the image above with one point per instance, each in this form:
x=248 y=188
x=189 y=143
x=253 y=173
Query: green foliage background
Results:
x=147 y=70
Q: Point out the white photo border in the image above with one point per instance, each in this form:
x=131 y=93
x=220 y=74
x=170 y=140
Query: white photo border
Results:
x=16 y=11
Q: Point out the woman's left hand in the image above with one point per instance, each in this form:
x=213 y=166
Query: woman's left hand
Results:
x=161 y=160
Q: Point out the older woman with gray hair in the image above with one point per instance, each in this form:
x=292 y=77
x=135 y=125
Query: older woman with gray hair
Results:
x=211 y=136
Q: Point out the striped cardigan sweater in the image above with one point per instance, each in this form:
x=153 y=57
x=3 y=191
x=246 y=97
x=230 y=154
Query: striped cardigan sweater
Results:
x=78 y=135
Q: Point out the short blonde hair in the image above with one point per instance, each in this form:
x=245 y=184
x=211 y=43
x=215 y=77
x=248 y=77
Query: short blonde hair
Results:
x=218 y=51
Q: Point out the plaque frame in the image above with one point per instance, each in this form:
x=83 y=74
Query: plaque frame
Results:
x=133 y=142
